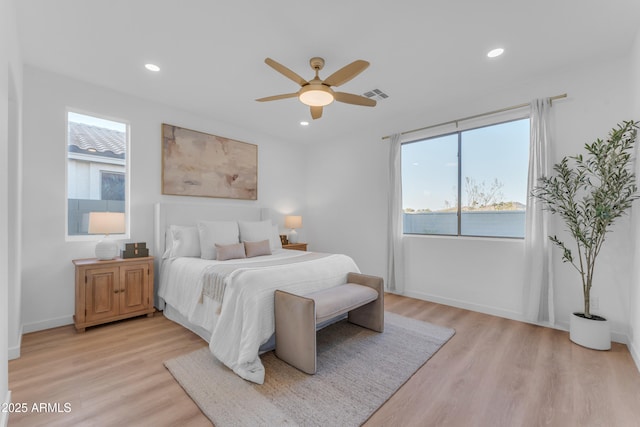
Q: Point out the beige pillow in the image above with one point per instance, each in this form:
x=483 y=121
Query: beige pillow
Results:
x=226 y=252
x=257 y=248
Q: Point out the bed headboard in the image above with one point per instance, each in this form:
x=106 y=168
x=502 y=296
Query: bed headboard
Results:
x=175 y=213
x=190 y=213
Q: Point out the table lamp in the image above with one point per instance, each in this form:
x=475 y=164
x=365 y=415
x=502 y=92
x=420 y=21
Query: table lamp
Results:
x=292 y=222
x=106 y=223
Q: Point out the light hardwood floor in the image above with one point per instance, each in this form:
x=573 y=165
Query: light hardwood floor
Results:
x=493 y=372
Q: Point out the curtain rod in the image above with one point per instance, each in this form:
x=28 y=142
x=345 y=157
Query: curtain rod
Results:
x=502 y=110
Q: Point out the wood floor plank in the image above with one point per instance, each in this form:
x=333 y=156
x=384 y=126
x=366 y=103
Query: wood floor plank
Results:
x=493 y=372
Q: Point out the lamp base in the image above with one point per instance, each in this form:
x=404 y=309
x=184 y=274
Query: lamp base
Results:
x=293 y=236
x=106 y=249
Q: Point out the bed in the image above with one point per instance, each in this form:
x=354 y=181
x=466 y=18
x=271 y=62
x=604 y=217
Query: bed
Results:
x=208 y=286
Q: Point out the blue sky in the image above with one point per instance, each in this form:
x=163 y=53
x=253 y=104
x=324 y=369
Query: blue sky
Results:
x=430 y=168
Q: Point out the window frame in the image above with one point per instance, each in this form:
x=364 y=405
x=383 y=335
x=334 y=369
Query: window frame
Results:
x=127 y=174
x=505 y=117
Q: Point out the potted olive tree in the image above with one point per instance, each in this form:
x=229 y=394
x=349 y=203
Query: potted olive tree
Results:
x=589 y=193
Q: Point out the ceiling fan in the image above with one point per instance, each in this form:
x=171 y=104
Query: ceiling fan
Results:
x=317 y=93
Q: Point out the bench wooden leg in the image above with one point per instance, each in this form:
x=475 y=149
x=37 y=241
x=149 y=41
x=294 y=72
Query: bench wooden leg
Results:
x=295 y=318
x=370 y=316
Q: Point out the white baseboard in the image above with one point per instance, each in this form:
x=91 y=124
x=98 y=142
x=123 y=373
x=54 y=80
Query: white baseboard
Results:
x=635 y=355
x=14 y=352
x=494 y=311
x=619 y=337
x=4 y=416
x=47 y=324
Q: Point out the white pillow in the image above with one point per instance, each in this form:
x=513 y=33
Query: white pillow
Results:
x=168 y=243
x=254 y=231
x=182 y=241
x=212 y=232
x=275 y=241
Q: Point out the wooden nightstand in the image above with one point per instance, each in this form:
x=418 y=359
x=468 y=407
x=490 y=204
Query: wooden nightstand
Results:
x=112 y=290
x=296 y=246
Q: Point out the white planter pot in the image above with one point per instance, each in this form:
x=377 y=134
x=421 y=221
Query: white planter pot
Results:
x=590 y=333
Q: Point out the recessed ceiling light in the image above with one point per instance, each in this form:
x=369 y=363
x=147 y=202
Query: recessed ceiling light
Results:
x=303 y=123
x=495 y=52
x=152 y=67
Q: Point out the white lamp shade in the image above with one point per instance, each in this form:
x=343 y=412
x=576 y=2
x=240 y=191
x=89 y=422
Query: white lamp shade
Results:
x=106 y=223
x=293 y=221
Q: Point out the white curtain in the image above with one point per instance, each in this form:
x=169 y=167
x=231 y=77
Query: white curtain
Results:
x=395 y=280
x=538 y=283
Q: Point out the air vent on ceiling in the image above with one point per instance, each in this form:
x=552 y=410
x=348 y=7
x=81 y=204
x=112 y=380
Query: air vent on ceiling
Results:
x=376 y=94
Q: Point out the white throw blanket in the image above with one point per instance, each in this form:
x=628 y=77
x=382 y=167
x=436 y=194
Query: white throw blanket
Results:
x=247 y=318
x=216 y=277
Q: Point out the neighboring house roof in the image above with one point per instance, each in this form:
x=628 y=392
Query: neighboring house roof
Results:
x=96 y=141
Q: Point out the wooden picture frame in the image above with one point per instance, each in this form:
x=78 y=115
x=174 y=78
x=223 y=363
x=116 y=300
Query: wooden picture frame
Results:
x=203 y=165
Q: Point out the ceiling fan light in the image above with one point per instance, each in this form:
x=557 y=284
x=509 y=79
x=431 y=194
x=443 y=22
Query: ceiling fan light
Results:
x=316 y=96
x=495 y=52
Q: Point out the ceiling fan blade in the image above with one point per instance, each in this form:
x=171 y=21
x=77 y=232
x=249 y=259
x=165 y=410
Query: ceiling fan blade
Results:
x=350 y=98
x=276 y=97
x=285 y=71
x=316 y=112
x=346 y=73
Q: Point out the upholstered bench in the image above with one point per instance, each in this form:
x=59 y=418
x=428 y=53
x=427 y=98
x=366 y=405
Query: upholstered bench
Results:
x=297 y=316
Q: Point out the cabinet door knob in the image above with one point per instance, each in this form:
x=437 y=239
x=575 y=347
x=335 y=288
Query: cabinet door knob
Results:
x=116 y=291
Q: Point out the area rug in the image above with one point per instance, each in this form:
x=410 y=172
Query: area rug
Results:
x=358 y=370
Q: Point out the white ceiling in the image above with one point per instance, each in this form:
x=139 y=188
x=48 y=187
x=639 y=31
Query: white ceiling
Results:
x=422 y=52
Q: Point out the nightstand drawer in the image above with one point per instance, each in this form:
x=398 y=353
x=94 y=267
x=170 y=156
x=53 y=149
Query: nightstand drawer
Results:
x=296 y=246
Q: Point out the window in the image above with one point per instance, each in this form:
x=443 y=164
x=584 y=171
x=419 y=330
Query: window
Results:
x=112 y=186
x=96 y=169
x=467 y=183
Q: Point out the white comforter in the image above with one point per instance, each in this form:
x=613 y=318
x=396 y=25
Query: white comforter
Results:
x=246 y=319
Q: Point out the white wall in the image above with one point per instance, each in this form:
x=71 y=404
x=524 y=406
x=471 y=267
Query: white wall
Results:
x=48 y=275
x=4 y=204
x=14 y=232
x=348 y=190
x=346 y=201
x=634 y=294
x=10 y=105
